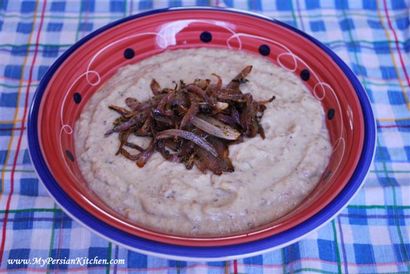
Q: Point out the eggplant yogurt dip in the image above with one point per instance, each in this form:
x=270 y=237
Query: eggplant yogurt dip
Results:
x=269 y=176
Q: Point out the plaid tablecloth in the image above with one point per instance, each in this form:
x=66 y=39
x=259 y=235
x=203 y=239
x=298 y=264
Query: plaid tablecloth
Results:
x=372 y=235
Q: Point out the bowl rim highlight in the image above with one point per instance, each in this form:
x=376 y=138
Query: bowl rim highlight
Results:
x=202 y=253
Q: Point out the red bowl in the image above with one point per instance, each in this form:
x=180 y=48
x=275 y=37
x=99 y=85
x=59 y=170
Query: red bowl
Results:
x=100 y=55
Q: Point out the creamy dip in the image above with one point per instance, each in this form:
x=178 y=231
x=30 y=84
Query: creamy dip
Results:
x=272 y=176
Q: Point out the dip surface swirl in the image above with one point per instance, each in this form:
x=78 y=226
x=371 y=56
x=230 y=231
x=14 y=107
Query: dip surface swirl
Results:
x=272 y=176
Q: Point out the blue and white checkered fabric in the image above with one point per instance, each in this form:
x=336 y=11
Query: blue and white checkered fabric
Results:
x=372 y=235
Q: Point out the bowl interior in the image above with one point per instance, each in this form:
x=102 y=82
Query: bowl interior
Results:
x=96 y=60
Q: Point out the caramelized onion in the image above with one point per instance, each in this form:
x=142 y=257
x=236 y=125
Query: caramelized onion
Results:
x=191 y=124
x=214 y=127
x=189 y=136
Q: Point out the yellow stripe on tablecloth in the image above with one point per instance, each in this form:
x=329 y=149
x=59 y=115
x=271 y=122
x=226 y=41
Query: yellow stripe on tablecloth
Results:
x=396 y=68
x=15 y=120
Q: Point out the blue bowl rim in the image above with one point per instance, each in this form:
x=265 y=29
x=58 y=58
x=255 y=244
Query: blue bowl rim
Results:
x=202 y=253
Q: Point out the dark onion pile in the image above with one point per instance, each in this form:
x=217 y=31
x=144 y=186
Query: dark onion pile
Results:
x=193 y=124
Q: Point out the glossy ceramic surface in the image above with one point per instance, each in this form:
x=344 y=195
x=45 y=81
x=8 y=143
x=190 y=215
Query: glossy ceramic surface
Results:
x=79 y=73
